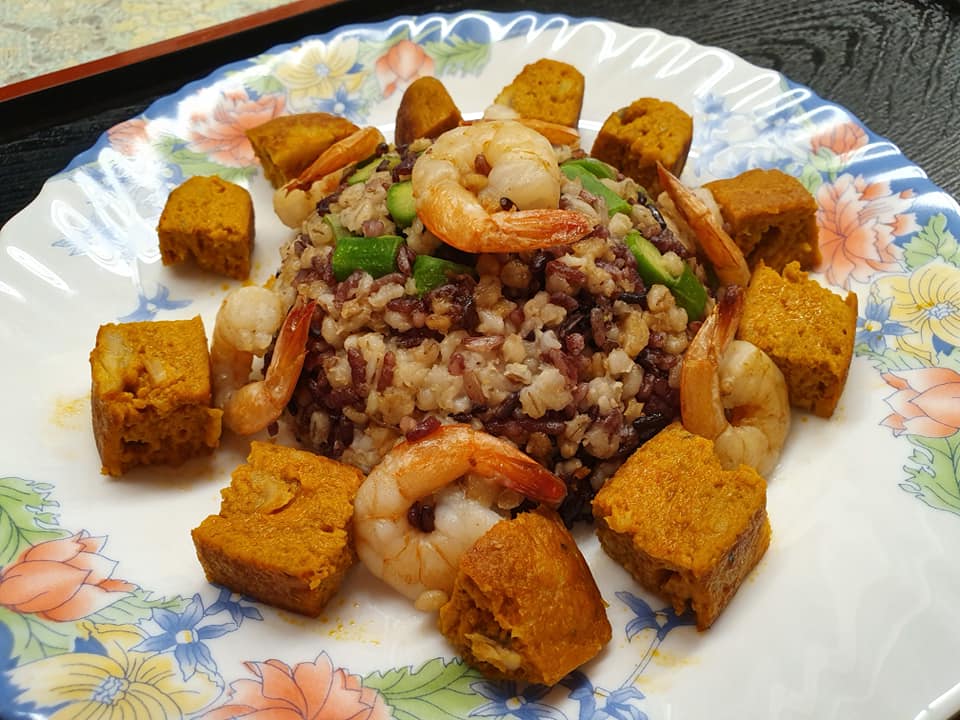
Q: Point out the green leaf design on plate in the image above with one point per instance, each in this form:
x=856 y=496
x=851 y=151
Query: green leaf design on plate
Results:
x=438 y=690
x=933 y=476
x=932 y=241
x=457 y=55
x=35 y=638
x=369 y=49
x=193 y=163
x=889 y=359
x=27 y=516
x=366 y=96
x=934 y=473
x=810 y=178
x=266 y=85
x=826 y=162
x=137 y=606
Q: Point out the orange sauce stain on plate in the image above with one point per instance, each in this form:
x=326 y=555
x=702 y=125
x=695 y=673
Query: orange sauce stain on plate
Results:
x=654 y=682
x=71 y=413
x=335 y=627
x=353 y=632
x=666 y=659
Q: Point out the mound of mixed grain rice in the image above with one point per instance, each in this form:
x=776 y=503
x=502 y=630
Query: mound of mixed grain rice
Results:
x=564 y=351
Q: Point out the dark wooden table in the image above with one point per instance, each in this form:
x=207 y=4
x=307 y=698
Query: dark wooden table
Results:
x=893 y=63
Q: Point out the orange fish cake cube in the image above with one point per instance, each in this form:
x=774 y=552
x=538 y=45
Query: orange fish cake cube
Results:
x=210 y=221
x=681 y=525
x=284 y=533
x=524 y=604
x=151 y=394
x=770 y=216
x=548 y=90
x=287 y=144
x=806 y=329
x=426 y=111
x=635 y=138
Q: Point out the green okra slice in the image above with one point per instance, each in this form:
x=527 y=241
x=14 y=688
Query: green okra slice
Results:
x=374 y=255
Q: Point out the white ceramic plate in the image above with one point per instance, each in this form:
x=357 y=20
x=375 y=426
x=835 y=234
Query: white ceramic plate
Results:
x=852 y=612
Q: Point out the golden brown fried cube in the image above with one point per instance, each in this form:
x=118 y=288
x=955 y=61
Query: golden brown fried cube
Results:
x=771 y=217
x=426 y=111
x=211 y=221
x=151 y=394
x=524 y=604
x=682 y=526
x=635 y=138
x=547 y=90
x=284 y=534
x=806 y=329
x=286 y=145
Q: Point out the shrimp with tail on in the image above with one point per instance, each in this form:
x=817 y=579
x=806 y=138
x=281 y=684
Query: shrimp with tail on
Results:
x=720 y=249
x=295 y=200
x=732 y=392
x=429 y=499
x=246 y=323
x=494 y=186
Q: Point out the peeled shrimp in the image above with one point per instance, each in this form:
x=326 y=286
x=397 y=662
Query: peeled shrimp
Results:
x=556 y=133
x=245 y=326
x=733 y=393
x=421 y=562
x=727 y=259
x=508 y=202
x=295 y=200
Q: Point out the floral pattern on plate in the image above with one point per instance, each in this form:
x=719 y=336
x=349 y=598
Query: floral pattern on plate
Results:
x=884 y=241
x=77 y=640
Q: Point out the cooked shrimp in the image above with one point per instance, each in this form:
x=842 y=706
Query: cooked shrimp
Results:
x=295 y=200
x=556 y=133
x=733 y=393
x=245 y=326
x=506 y=202
x=722 y=252
x=421 y=560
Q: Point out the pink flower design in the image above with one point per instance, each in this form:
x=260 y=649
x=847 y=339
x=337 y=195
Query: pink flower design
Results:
x=222 y=134
x=840 y=139
x=926 y=402
x=401 y=65
x=62 y=580
x=127 y=137
x=309 y=691
x=859 y=222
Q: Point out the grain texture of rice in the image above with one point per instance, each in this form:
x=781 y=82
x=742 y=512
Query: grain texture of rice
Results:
x=563 y=351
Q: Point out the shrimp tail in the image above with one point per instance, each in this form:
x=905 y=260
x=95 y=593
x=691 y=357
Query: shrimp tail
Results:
x=701 y=409
x=497 y=459
x=727 y=259
x=729 y=311
x=529 y=478
x=510 y=231
x=536 y=229
x=255 y=405
x=357 y=146
x=289 y=351
x=556 y=133
x=294 y=201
